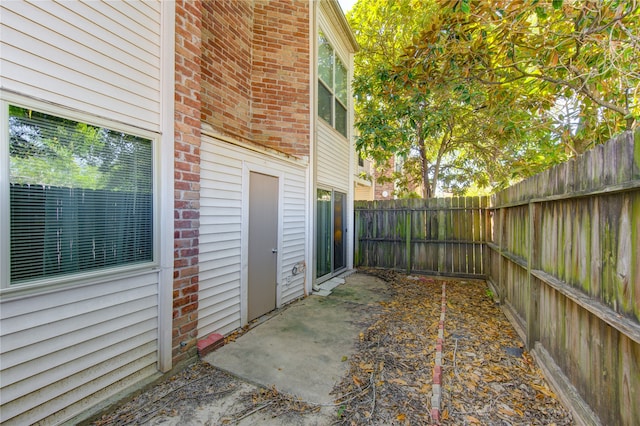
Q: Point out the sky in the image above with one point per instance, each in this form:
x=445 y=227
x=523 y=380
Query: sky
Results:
x=346 y=4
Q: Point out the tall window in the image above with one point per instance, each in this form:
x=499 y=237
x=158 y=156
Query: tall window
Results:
x=332 y=86
x=81 y=196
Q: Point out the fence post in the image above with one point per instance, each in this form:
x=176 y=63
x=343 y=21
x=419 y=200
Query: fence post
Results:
x=407 y=232
x=502 y=289
x=533 y=251
x=356 y=238
x=484 y=236
x=441 y=205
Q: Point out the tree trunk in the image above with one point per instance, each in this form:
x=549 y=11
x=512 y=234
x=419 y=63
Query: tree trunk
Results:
x=631 y=123
x=443 y=148
x=424 y=165
x=436 y=172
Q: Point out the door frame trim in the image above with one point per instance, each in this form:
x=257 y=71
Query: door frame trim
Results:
x=334 y=272
x=247 y=168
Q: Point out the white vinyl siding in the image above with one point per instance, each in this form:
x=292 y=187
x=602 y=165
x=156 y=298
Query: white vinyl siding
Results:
x=364 y=193
x=70 y=344
x=334 y=151
x=220 y=255
x=59 y=347
x=219 y=251
x=333 y=159
x=54 y=51
x=334 y=154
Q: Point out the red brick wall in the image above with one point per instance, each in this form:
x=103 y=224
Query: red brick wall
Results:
x=187 y=179
x=242 y=67
x=226 y=66
x=379 y=188
x=256 y=72
x=281 y=75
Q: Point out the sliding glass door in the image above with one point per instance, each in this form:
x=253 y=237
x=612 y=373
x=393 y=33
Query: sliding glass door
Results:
x=339 y=228
x=331 y=247
x=323 y=233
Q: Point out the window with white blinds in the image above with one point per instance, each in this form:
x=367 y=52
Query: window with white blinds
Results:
x=81 y=197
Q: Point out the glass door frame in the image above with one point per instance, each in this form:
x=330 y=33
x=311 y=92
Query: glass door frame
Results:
x=329 y=235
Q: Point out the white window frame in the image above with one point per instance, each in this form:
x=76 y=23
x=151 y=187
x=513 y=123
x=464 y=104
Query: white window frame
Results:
x=78 y=278
x=332 y=89
x=332 y=272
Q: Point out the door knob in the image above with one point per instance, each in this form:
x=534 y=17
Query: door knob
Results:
x=274 y=250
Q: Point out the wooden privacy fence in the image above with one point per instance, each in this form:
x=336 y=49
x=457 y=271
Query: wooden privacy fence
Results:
x=560 y=250
x=564 y=257
x=440 y=236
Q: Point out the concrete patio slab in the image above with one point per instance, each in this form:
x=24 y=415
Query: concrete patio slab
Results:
x=301 y=350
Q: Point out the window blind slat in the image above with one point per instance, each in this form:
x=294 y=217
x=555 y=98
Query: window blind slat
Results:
x=81 y=197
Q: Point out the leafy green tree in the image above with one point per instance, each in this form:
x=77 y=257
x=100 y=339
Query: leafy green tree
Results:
x=579 y=59
x=449 y=129
x=50 y=150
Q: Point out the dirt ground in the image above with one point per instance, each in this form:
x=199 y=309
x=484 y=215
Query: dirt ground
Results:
x=204 y=395
x=488 y=376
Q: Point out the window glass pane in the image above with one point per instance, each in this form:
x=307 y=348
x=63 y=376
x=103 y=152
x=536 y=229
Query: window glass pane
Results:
x=324 y=103
x=339 y=226
x=80 y=196
x=325 y=61
x=341 y=82
x=341 y=118
x=323 y=233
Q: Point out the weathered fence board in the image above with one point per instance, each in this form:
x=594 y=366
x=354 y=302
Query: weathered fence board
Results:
x=443 y=236
x=565 y=259
x=562 y=252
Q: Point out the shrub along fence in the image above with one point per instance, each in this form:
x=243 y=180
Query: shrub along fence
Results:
x=560 y=250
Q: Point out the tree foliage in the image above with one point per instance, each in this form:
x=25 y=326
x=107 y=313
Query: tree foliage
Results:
x=579 y=58
x=476 y=93
x=50 y=150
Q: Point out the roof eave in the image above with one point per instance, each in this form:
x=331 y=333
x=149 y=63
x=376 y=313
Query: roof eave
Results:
x=334 y=11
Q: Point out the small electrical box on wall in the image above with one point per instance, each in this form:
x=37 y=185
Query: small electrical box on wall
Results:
x=298 y=268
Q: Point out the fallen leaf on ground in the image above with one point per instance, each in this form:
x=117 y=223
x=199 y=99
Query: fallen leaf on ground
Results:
x=481 y=382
